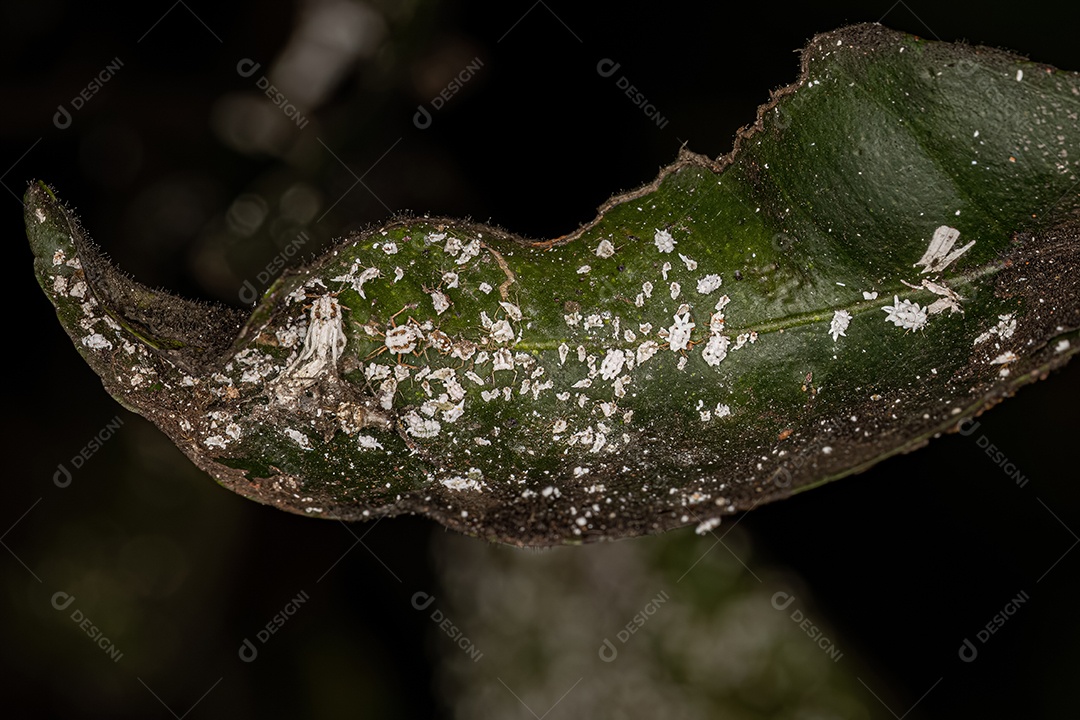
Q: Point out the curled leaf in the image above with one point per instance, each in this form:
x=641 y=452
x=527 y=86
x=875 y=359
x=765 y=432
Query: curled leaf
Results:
x=891 y=248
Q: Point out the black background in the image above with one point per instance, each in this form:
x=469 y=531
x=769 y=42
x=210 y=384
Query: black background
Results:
x=905 y=560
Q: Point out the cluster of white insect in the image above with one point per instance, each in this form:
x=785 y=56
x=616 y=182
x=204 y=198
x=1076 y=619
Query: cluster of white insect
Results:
x=906 y=314
x=938 y=256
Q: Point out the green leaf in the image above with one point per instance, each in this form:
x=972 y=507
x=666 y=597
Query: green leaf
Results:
x=890 y=249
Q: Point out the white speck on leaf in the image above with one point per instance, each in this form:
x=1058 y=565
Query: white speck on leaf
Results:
x=97 y=342
x=299 y=438
x=1004 y=329
x=707 y=526
x=1005 y=357
x=357 y=281
x=367 y=442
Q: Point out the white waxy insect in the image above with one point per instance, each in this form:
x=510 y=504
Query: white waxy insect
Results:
x=940 y=254
x=663 y=241
x=512 y=310
x=469 y=252
x=324 y=341
x=612 y=365
x=905 y=314
x=840 y=321
x=605 y=249
x=1005 y=357
x=402 y=339
x=502 y=332
x=299 y=438
x=421 y=427
x=1004 y=329
x=503 y=360
x=708 y=284
x=440 y=302
x=707 y=526
x=646 y=350
x=357 y=281
x=679 y=332
x=716 y=349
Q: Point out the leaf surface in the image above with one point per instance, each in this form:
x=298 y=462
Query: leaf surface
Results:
x=890 y=249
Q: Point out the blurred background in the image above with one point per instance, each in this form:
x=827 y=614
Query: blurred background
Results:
x=197 y=140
